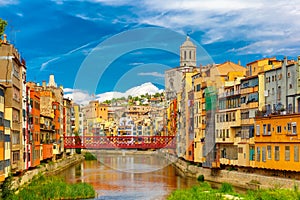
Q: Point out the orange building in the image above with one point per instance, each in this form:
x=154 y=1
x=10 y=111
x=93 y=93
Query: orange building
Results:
x=2 y=150
x=277 y=142
x=47 y=136
x=172 y=118
x=34 y=127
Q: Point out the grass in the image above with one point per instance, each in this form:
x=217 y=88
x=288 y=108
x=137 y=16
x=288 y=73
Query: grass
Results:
x=54 y=187
x=204 y=191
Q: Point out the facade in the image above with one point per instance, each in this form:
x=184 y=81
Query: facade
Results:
x=277 y=142
x=66 y=120
x=228 y=123
x=11 y=67
x=2 y=136
x=34 y=129
x=282 y=88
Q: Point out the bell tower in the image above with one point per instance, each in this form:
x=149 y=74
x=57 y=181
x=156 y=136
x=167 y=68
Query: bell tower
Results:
x=188 y=54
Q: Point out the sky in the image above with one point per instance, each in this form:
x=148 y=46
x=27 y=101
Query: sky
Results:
x=99 y=46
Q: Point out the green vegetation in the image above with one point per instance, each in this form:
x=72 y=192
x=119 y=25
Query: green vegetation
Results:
x=53 y=187
x=204 y=191
x=3 y=24
x=89 y=156
x=6 y=191
x=200 y=178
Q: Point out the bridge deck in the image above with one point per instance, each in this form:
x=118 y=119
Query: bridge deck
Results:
x=123 y=142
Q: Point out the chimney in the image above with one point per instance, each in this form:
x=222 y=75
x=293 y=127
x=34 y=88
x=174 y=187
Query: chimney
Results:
x=285 y=61
x=4 y=38
x=44 y=85
x=239 y=62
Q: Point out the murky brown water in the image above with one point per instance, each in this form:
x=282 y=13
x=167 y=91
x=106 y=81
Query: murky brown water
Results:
x=112 y=182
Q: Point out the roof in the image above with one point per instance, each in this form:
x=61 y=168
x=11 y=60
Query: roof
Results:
x=188 y=43
x=273 y=58
x=229 y=66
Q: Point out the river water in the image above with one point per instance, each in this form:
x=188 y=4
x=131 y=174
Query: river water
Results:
x=125 y=176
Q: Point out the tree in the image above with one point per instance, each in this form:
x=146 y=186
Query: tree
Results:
x=3 y=24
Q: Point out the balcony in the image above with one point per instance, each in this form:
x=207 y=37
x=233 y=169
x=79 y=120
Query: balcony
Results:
x=224 y=140
x=226 y=161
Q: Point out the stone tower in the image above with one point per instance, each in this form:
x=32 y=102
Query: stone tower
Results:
x=188 y=54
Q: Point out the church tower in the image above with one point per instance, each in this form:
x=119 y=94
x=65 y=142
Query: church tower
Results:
x=188 y=54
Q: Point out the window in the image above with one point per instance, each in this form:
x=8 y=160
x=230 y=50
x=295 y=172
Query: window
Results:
x=258 y=154
x=277 y=156
x=288 y=74
x=294 y=128
x=269 y=152
x=16 y=156
x=289 y=127
x=296 y=153
x=291 y=86
x=240 y=150
x=269 y=129
x=257 y=130
x=264 y=129
x=287 y=153
x=278 y=129
x=279 y=93
x=16 y=94
x=263 y=154
x=198 y=87
x=15 y=137
x=227 y=133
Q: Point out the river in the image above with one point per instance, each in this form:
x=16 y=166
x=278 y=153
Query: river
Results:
x=128 y=176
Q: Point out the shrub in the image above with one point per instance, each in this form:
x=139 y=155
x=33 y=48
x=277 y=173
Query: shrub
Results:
x=200 y=178
x=226 y=188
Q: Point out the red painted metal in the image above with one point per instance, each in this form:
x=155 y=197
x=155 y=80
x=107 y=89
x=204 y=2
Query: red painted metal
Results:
x=122 y=142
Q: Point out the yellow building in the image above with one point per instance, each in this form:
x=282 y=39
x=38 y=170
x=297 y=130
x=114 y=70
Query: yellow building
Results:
x=258 y=66
x=103 y=111
x=277 y=142
x=199 y=117
x=187 y=113
x=228 y=122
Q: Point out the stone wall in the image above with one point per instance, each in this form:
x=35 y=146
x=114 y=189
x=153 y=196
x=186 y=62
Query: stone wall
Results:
x=48 y=169
x=237 y=179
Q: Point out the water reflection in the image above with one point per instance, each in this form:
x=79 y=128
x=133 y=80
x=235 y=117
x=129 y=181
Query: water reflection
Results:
x=115 y=184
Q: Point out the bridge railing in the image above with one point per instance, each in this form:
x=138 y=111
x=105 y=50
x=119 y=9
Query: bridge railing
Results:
x=123 y=142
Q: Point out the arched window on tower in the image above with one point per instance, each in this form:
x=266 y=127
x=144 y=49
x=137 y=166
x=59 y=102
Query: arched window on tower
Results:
x=190 y=54
x=184 y=55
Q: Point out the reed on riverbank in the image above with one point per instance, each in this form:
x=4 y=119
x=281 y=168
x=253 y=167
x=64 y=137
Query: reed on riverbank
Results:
x=53 y=187
x=204 y=191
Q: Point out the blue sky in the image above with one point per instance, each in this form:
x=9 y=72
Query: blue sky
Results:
x=57 y=37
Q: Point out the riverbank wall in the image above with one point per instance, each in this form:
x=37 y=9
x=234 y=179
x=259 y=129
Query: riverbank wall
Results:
x=237 y=179
x=50 y=168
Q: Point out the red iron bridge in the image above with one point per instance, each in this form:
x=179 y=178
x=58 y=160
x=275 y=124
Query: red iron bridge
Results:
x=121 y=142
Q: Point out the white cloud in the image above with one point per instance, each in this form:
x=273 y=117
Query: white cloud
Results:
x=155 y=74
x=82 y=48
x=253 y=21
x=20 y=14
x=8 y=2
x=83 y=97
x=231 y=20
